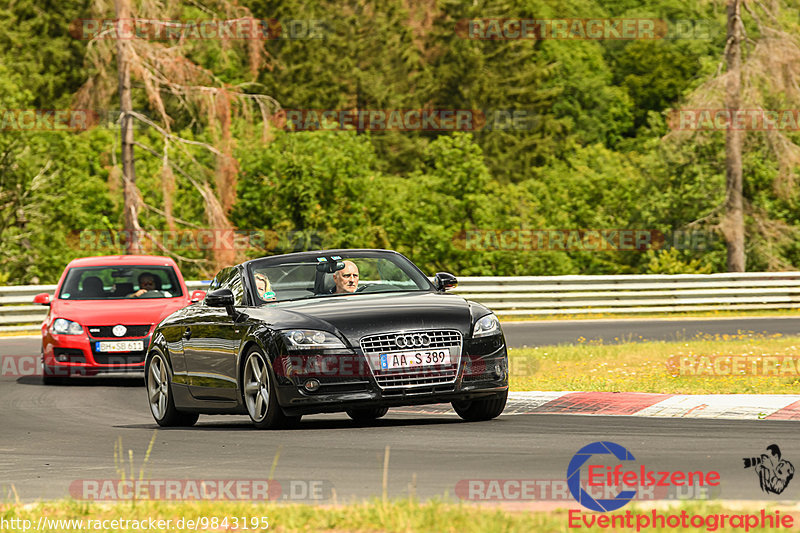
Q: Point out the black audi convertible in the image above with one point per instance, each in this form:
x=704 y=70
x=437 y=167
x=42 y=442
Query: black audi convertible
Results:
x=357 y=331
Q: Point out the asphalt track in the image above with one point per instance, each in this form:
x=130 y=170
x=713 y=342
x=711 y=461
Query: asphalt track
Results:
x=51 y=437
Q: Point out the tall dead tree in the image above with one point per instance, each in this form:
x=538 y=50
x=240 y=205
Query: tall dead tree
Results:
x=170 y=79
x=753 y=75
x=733 y=222
x=130 y=194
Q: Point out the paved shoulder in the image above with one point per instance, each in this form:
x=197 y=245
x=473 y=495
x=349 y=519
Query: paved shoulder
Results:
x=614 y=331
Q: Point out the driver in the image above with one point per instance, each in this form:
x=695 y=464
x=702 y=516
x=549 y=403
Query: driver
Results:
x=346 y=279
x=147 y=282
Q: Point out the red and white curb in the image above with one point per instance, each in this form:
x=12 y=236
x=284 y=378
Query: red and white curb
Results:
x=717 y=406
x=721 y=406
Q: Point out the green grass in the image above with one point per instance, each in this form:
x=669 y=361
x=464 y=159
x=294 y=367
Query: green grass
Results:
x=646 y=366
x=367 y=517
x=33 y=331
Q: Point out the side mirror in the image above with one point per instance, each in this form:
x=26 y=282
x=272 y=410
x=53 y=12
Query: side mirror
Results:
x=42 y=299
x=220 y=298
x=444 y=281
x=197 y=296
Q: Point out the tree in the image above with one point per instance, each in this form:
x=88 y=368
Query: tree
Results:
x=733 y=223
x=761 y=75
x=178 y=90
x=314 y=189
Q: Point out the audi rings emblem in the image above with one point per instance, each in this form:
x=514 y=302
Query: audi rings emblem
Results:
x=416 y=340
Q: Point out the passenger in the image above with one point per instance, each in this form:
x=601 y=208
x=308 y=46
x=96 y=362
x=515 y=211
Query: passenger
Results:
x=264 y=288
x=93 y=287
x=147 y=282
x=346 y=279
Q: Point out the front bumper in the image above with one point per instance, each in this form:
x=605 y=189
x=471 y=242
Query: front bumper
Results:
x=68 y=355
x=479 y=376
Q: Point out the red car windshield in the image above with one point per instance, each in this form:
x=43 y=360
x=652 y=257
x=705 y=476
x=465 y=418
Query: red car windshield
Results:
x=120 y=282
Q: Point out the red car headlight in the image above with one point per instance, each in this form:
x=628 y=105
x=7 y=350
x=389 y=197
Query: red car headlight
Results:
x=62 y=326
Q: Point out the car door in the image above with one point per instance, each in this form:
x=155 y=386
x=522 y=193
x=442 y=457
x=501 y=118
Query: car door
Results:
x=194 y=316
x=211 y=344
x=173 y=339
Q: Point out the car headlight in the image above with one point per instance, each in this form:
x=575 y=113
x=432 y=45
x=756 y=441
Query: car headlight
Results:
x=62 y=326
x=311 y=339
x=485 y=326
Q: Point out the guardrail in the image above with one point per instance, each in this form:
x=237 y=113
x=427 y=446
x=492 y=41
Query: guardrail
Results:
x=549 y=295
x=19 y=313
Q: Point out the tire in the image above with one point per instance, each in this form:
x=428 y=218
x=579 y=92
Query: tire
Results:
x=49 y=378
x=480 y=410
x=159 y=395
x=49 y=373
x=258 y=393
x=54 y=375
x=363 y=416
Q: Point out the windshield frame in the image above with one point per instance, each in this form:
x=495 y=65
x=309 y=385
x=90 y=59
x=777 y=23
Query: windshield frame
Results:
x=408 y=267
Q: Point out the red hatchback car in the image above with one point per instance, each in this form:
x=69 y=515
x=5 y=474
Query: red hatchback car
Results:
x=104 y=311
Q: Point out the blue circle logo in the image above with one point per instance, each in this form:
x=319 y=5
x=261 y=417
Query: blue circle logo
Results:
x=574 y=476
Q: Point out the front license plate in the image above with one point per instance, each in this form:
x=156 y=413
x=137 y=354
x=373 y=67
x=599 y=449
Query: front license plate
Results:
x=414 y=359
x=119 y=346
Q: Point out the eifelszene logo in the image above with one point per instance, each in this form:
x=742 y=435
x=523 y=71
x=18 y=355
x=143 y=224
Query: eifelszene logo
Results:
x=774 y=473
x=606 y=476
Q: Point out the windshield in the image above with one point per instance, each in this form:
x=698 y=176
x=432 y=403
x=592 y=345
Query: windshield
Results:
x=120 y=282
x=333 y=276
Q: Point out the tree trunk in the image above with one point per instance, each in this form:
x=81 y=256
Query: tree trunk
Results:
x=129 y=192
x=733 y=221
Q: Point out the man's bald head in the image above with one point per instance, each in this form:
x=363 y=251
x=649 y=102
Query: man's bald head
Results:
x=346 y=279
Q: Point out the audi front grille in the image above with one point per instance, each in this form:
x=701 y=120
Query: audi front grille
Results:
x=374 y=345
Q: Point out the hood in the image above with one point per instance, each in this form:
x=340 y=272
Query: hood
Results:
x=112 y=312
x=360 y=314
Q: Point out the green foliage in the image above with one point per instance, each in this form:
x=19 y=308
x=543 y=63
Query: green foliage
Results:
x=594 y=155
x=669 y=262
x=450 y=192
x=324 y=185
x=35 y=42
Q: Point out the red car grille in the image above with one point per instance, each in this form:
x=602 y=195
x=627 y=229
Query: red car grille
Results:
x=104 y=332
